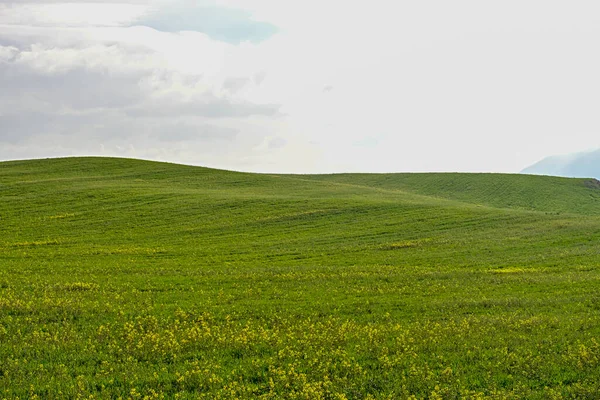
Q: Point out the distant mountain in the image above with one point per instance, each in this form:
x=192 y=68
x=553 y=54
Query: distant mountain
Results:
x=578 y=165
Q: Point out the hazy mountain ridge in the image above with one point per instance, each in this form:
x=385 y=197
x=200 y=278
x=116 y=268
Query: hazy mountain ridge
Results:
x=577 y=165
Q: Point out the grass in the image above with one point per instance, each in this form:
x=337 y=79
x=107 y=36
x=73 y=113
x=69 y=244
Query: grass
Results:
x=135 y=279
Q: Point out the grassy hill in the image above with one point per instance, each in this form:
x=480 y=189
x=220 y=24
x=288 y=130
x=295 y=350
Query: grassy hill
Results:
x=527 y=192
x=133 y=278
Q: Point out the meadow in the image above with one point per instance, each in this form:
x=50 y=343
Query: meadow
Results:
x=142 y=280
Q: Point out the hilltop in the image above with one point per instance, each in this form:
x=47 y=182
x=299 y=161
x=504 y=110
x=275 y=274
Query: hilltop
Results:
x=133 y=278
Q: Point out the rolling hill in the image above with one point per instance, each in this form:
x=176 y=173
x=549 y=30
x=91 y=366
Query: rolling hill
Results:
x=141 y=279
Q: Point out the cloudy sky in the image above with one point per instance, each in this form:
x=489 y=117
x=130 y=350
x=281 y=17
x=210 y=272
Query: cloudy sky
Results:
x=302 y=86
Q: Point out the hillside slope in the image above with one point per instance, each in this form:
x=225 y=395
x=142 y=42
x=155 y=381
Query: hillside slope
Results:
x=128 y=278
x=526 y=192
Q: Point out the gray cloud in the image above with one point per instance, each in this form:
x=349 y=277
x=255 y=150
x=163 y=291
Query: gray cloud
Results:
x=77 y=89
x=189 y=132
x=109 y=77
x=106 y=126
x=235 y=84
x=277 y=143
x=53 y=80
x=110 y=133
x=73 y=129
x=18 y=128
x=259 y=77
x=91 y=97
x=204 y=105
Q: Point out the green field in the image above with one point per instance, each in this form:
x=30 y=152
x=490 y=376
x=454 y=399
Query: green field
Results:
x=136 y=279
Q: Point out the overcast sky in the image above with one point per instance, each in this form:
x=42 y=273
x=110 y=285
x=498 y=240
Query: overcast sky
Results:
x=302 y=86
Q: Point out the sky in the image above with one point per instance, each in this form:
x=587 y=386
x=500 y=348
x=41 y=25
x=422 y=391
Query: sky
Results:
x=302 y=86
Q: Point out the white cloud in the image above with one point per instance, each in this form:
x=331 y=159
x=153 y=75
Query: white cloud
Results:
x=124 y=91
x=62 y=14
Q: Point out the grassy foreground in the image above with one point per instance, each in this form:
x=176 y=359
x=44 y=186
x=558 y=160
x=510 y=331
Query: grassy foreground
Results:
x=135 y=279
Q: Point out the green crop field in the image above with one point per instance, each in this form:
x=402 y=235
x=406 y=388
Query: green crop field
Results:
x=134 y=279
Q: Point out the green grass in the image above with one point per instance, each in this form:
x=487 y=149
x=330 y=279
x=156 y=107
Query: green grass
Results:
x=136 y=279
